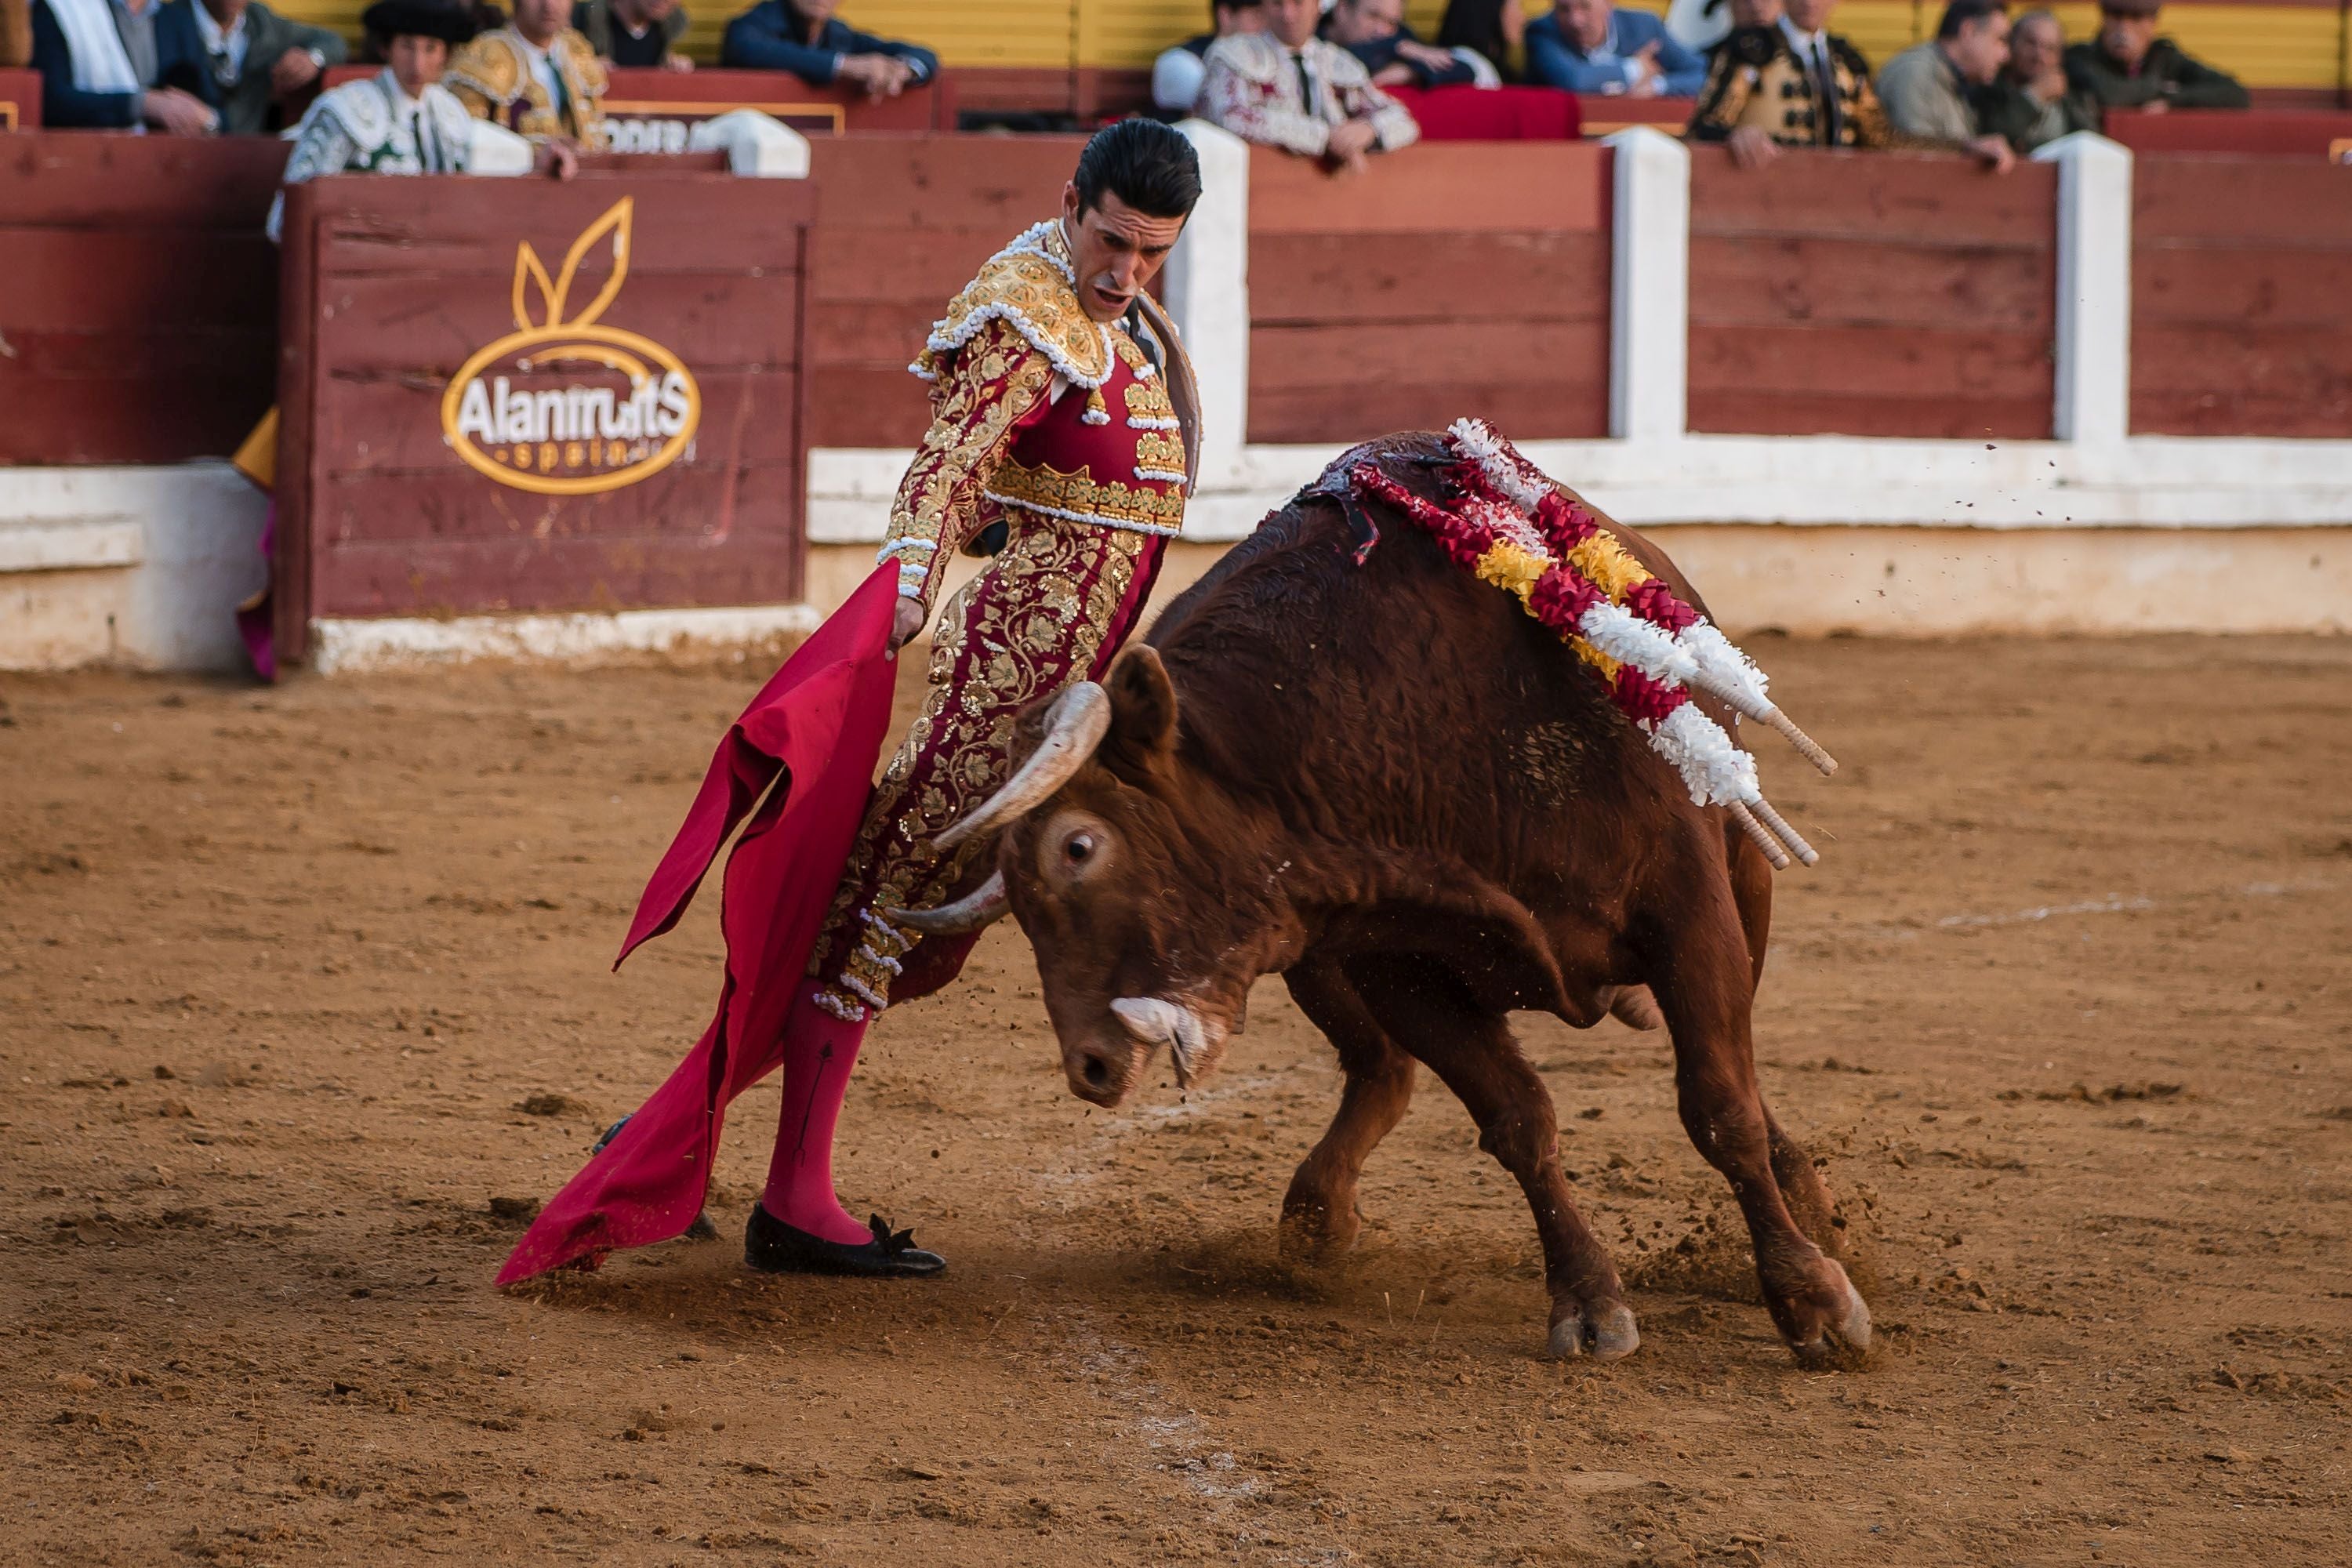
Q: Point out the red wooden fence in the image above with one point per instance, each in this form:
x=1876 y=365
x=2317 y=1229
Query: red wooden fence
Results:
x=1451 y=279
x=2241 y=298
x=138 y=297
x=908 y=221
x=1872 y=294
x=413 y=318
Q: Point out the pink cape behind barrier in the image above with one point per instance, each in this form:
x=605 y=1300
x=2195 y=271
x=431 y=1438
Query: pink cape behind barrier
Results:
x=815 y=733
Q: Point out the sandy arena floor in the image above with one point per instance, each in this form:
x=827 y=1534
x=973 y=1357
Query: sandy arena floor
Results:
x=299 y=990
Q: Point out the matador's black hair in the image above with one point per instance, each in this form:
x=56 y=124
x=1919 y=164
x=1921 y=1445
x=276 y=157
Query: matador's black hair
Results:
x=1148 y=165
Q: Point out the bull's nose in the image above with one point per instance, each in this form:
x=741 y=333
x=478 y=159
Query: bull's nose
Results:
x=1098 y=1073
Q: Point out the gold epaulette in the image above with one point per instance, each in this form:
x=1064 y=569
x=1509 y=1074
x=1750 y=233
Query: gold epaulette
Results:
x=587 y=70
x=1028 y=285
x=490 y=65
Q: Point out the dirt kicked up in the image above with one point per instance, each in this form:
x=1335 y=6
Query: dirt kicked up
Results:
x=303 y=1004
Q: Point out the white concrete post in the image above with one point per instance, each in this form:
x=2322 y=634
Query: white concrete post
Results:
x=2094 y=268
x=1207 y=292
x=757 y=145
x=1649 y=290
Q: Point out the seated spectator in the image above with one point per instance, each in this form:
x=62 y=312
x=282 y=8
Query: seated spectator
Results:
x=1925 y=88
x=1286 y=88
x=534 y=76
x=2127 y=67
x=1587 y=45
x=105 y=64
x=1494 y=30
x=1793 y=84
x=2029 y=102
x=1177 y=74
x=1374 y=32
x=633 y=33
x=402 y=120
x=258 y=61
x=805 y=37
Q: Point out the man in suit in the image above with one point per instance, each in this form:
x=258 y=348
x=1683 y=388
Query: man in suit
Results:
x=114 y=64
x=805 y=37
x=1587 y=45
x=2126 y=66
x=255 y=60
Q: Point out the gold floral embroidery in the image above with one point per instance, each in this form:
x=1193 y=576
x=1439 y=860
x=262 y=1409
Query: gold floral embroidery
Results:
x=1027 y=286
x=1160 y=449
x=1080 y=497
x=1032 y=623
x=1148 y=400
x=996 y=379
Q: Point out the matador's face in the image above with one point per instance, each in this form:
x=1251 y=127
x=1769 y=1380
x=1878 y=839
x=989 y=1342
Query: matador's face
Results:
x=1115 y=249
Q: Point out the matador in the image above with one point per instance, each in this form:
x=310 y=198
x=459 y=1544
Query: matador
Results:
x=1064 y=435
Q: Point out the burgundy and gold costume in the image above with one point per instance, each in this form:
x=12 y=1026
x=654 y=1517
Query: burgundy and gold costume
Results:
x=1080 y=435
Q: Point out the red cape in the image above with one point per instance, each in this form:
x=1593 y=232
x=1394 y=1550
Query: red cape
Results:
x=815 y=733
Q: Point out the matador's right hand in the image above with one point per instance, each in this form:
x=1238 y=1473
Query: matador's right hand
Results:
x=909 y=621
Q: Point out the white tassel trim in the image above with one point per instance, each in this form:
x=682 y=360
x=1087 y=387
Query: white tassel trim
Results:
x=897 y=545
x=1715 y=771
x=1031 y=241
x=920 y=374
x=1149 y=422
x=1094 y=416
x=1162 y=476
x=884 y=959
x=865 y=993
x=1096 y=519
x=848 y=1012
x=941 y=341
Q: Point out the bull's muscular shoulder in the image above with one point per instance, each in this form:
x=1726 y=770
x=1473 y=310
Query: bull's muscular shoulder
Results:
x=490 y=65
x=1029 y=288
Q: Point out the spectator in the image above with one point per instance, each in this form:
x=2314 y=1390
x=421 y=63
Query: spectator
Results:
x=2126 y=66
x=1494 y=30
x=1793 y=84
x=1177 y=74
x=1925 y=88
x=1586 y=45
x=2029 y=102
x=633 y=33
x=105 y=64
x=258 y=61
x=402 y=120
x=1374 y=32
x=1286 y=88
x=534 y=76
x=803 y=37
x=16 y=32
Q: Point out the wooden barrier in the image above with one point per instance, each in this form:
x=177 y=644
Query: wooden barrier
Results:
x=138 y=306
x=2241 y=298
x=1871 y=294
x=508 y=394
x=20 y=100
x=1459 y=278
x=908 y=221
x=2243 y=132
x=651 y=109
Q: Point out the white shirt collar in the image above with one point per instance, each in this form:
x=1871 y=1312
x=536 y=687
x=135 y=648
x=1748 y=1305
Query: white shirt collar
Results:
x=1808 y=44
x=217 y=37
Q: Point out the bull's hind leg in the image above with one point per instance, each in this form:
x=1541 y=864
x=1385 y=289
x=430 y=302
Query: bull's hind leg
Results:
x=1801 y=1185
x=1704 y=979
x=1319 y=1213
x=1426 y=1010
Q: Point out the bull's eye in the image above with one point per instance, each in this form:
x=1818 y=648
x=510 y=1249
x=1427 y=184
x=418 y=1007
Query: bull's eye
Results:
x=1080 y=848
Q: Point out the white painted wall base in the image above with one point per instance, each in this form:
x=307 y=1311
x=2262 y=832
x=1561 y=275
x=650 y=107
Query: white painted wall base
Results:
x=350 y=647
x=137 y=566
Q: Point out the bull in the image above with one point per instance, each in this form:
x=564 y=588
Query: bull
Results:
x=1379 y=779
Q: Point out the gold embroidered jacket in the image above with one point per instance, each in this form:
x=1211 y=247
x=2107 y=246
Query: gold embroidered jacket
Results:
x=492 y=77
x=1756 y=79
x=1117 y=449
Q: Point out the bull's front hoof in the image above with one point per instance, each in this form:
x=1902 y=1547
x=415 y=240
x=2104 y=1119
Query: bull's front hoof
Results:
x=1603 y=1330
x=1841 y=1340
x=1317 y=1232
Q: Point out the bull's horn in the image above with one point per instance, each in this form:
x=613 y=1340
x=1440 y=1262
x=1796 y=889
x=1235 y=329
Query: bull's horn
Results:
x=1153 y=1022
x=976 y=911
x=1075 y=726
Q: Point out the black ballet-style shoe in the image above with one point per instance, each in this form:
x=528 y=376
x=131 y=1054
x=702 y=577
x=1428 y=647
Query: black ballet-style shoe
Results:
x=771 y=1247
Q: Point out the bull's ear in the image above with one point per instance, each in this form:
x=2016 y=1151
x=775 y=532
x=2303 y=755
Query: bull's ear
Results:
x=1142 y=713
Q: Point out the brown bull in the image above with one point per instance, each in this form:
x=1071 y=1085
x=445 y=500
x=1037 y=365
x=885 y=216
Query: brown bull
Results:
x=1387 y=784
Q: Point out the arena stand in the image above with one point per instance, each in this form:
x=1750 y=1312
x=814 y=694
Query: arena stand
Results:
x=1879 y=393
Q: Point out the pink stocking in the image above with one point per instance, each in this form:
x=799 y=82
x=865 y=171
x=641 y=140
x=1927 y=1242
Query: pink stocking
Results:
x=820 y=1051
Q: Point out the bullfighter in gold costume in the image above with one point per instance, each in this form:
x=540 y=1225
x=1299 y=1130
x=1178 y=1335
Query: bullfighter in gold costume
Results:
x=538 y=77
